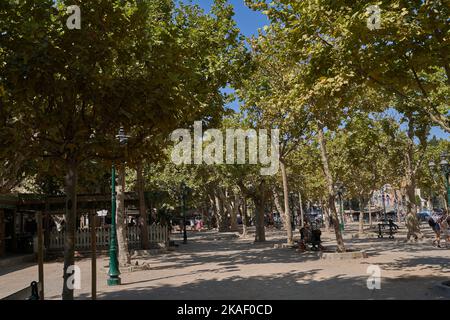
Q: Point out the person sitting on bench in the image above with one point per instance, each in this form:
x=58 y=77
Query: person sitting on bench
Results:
x=392 y=224
x=310 y=235
x=316 y=242
x=305 y=236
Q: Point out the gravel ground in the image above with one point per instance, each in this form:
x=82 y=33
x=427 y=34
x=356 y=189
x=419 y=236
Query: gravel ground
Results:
x=223 y=266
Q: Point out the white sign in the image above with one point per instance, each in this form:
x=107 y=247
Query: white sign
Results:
x=102 y=213
x=132 y=212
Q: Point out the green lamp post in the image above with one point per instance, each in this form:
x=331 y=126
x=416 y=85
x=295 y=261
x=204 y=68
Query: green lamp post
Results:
x=445 y=169
x=114 y=273
x=339 y=189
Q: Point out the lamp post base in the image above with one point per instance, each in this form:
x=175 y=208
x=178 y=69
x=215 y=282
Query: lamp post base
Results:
x=113 y=281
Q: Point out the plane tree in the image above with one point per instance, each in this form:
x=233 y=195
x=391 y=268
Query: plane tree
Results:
x=67 y=91
x=403 y=52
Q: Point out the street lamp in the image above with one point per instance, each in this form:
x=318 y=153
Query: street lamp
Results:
x=340 y=189
x=183 y=198
x=445 y=170
x=114 y=273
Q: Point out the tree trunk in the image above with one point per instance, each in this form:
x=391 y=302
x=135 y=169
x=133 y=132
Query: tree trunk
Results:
x=397 y=205
x=287 y=211
x=235 y=208
x=225 y=196
x=276 y=201
x=71 y=181
x=221 y=216
x=326 y=215
x=244 y=216
x=331 y=196
x=410 y=186
x=142 y=207
x=302 y=216
x=213 y=217
x=260 y=235
x=361 y=216
x=259 y=199
x=122 y=239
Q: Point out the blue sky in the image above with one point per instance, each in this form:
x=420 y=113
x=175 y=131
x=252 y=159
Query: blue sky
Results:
x=247 y=20
x=250 y=21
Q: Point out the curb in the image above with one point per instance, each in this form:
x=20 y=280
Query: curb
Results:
x=343 y=255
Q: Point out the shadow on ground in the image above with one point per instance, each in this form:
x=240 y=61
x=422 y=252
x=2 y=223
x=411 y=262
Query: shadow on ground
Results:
x=232 y=253
x=292 y=286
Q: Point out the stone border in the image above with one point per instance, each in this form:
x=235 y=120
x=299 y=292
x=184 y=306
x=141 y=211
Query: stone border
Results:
x=284 y=246
x=131 y=268
x=343 y=255
x=136 y=254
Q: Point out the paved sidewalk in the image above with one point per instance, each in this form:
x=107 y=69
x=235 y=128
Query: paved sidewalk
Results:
x=223 y=266
x=14 y=260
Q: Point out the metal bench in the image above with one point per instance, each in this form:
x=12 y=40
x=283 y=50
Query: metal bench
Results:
x=388 y=227
x=28 y=293
x=312 y=237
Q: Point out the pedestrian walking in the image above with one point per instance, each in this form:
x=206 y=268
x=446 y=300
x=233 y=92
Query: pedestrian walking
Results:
x=413 y=227
x=444 y=226
x=433 y=222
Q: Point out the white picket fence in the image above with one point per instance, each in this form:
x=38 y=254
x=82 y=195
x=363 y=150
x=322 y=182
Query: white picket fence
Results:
x=157 y=234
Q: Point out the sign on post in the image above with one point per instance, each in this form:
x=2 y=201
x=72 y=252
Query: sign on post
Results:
x=102 y=213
